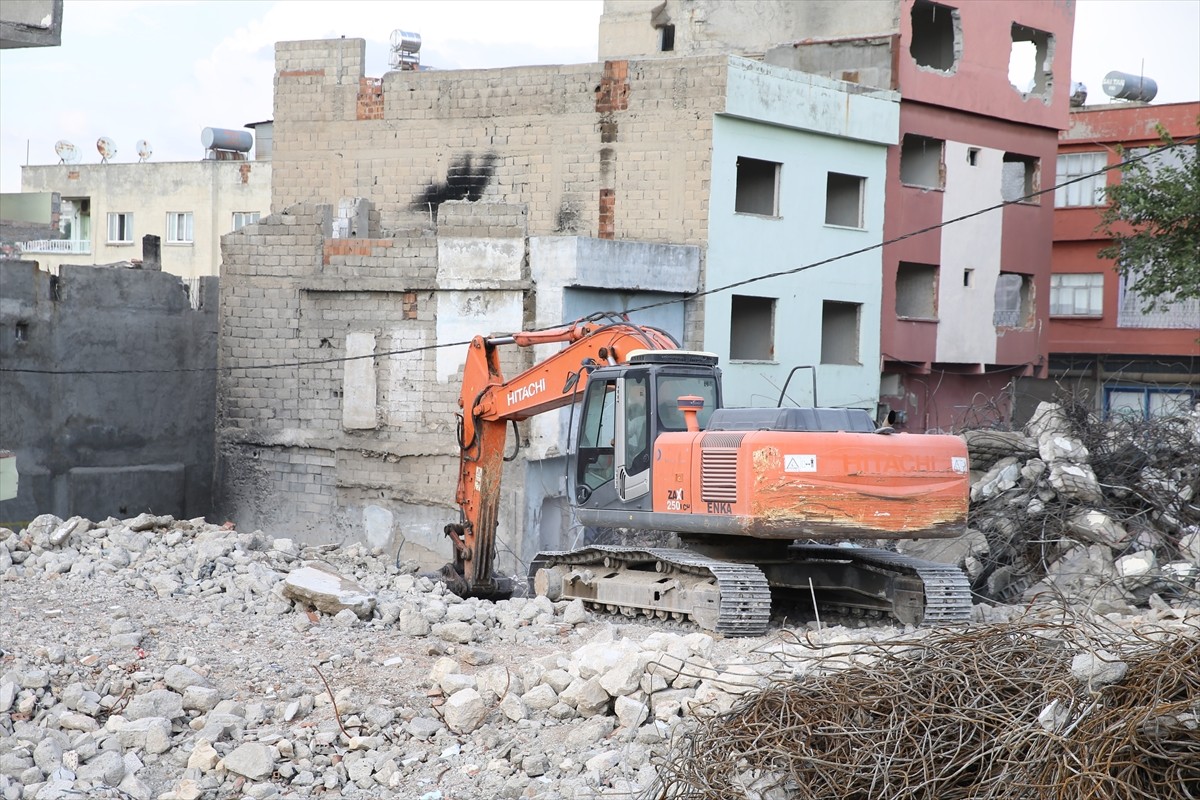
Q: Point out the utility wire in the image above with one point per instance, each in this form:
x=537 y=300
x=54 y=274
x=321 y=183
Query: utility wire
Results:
x=736 y=284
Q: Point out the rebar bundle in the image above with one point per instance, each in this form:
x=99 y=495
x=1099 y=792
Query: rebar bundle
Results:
x=993 y=712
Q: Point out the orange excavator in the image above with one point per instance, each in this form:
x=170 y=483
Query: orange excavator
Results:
x=758 y=500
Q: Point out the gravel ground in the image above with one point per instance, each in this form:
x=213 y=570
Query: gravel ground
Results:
x=98 y=617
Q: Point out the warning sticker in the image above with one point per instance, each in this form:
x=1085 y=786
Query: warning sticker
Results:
x=800 y=463
x=958 y=464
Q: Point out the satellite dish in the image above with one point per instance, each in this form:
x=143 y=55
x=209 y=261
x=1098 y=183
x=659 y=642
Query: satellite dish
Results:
x=107 y=148
x=144 y=150
x=67 y=152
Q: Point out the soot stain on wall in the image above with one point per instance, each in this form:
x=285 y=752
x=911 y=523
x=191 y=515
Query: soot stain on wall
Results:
x=466 y=178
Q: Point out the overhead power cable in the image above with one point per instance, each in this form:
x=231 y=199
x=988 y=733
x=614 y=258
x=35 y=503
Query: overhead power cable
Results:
x=674 y=300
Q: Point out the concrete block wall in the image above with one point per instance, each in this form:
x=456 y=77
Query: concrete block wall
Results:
x=326 y=449
x=629 y=138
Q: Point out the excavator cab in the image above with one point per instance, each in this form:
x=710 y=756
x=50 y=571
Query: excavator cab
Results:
x=625 y=407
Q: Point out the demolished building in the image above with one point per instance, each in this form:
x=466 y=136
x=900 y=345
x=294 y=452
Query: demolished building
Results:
x=425 y=207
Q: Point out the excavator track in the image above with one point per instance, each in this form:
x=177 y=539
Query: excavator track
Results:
x=724 y=596
x=947 y=592
x=734 y=598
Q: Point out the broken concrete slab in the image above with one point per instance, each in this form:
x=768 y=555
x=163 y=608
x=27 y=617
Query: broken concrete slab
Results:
x=321 y=587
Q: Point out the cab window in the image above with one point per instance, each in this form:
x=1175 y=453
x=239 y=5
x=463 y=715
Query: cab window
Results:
x=671 y=387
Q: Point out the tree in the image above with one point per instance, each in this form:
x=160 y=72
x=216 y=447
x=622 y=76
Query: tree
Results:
x=1153 y=219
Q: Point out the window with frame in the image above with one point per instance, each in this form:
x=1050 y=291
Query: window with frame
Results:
x=1014 y=301
x=751 y=328
x=757 y=189
x=243 y=218
x=666 y=38
x=1132 y=313
x=1088 y=188
x=179 y=227
x=120 y=227
x=844 y=200
x=1077 y=295
x=1147 y=402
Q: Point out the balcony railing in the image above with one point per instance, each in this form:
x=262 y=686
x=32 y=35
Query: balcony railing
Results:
x=57 y=246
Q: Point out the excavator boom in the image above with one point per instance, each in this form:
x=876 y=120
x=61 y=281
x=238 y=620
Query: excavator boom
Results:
x=490 y=403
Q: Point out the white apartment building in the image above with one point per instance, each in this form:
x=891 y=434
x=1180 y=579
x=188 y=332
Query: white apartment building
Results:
x=107 y=208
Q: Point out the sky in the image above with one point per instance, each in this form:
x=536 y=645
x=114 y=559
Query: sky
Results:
x=163 y=70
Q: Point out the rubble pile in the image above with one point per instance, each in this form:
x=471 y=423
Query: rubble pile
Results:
x=155 y=658
x=1105 y=513
x=174 y=659
x=1053 y=711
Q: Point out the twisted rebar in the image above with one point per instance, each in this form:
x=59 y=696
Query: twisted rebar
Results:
x=955 y=714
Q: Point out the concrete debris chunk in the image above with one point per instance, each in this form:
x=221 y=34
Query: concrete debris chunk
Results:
x=464 y=711
x=1098 y=668
x=252 y=760
x=327 y=591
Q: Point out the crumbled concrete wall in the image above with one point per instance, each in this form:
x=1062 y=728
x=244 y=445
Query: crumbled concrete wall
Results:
x=632 y=28
x=138 y=438
x=327 y=450
x=290 y=457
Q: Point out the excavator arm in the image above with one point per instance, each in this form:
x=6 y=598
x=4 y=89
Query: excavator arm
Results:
x=490 y=403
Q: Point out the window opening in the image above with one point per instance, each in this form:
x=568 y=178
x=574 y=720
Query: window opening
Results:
x=752 y=328
x=1014 y=301
x=1085 y=170
x=666 y=38
x=1029 y=61
x=973 y=156
x=916 y=290
x=21 y=332
x=936 y=30
x=922 y=161
x=757 y=187
x=1019 y=178
x=844 y=200
x=1077 y=295
x=968 y=277
x=120 y=227
x=179 y=227
x=839 y=332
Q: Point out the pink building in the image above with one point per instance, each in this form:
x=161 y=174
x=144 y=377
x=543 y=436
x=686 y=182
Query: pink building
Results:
x=984 y=91
x=1100 y=339
x=965 y=304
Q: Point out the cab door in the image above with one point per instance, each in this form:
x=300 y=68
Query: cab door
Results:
x=634 y=436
